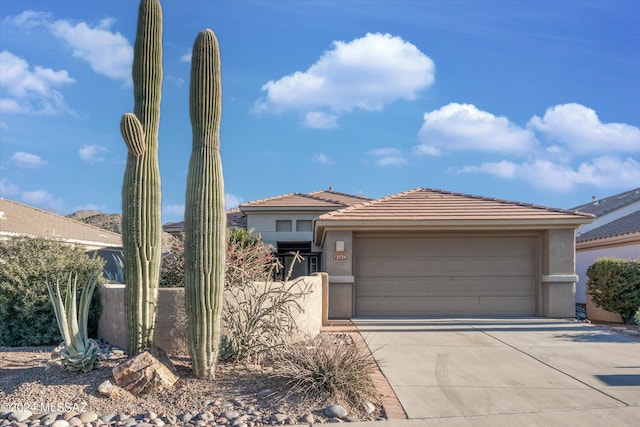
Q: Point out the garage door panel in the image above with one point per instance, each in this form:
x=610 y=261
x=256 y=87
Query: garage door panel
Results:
x=438 y=266
x=436 y=246
x=445 y=306
x=446 y=276
x=434 y=286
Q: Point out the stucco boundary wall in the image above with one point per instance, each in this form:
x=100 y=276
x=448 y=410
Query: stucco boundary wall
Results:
x=171 y=320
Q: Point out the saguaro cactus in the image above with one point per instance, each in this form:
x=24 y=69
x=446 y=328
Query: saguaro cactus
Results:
x=141 y=198
x=205 y=217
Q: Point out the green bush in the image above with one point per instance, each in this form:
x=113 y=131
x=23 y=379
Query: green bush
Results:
x=637 y=317
x=27 y=317
x=614 y=285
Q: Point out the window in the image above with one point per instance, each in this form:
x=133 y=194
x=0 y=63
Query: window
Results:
x=314 y=264
x=283 y=225
x=304 y=225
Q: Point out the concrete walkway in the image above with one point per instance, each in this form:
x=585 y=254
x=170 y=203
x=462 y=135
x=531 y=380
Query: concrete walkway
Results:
x=525 y=371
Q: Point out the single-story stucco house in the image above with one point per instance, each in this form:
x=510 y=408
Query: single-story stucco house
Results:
x=18 y=219
x=429 y=252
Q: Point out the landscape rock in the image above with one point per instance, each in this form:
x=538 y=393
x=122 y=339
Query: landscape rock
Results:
x=20 y=416
x=335 y=411
x=308 y=419
x=369 y=408
x=149 y=372
x=279 y=418
x=107 y=389
x=88 y=417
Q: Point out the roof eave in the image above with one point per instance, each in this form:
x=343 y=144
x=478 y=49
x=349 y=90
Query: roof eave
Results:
x=323 y=225
x=81 y=242
x=270 y=209
x=610 y=241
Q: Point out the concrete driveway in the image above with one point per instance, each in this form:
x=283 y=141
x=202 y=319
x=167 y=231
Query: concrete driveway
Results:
x=520 y=368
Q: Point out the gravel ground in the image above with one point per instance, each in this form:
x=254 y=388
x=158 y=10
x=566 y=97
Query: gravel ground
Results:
x=29 y=381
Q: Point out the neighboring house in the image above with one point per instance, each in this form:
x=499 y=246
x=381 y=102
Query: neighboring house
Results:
x=17 y=219
x=286 y=223
x=235 y=219
x=614 y=233
x=429 y=252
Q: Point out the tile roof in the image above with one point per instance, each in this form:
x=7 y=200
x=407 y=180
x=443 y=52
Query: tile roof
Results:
x=622 y=226
x=611 y=203
x=19 y=219
x=343 y=198
x=438 y=206
x=318 y=199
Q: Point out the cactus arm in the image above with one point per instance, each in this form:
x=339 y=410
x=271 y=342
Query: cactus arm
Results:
x=141 y=198
x=133 y=134
x=205 y=218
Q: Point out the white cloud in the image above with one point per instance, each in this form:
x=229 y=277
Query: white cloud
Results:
x=173 y=210
x=31 y=90
x=320 y=120
x=92 y=153
x=571 y=152
x=232 y=201
x=7 y=188
x=463 y=127
x=29 y=19
x=366 y=73
x=186 y=57
x=387 y=156
x=107 y=52
x=579 y=128
x=27 y=160
x=603 y=172
x=502 y=169
x=42 y=199
x=321 y=158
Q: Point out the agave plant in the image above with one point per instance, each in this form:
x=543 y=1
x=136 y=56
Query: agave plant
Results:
x=79 y=352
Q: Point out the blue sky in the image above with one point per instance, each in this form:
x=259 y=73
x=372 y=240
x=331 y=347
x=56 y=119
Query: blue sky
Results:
x=532 y=101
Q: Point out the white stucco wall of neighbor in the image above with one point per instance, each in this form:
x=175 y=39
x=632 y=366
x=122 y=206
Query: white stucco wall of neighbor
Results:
x=586 y=257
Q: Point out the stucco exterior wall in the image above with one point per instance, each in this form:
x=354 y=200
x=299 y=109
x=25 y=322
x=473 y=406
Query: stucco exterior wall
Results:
x=558 y=273
x=339 y=266
x=265 y=225
x=172 y=328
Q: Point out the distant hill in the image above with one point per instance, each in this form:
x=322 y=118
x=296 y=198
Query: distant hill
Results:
x=110 y=222
x=113 y=222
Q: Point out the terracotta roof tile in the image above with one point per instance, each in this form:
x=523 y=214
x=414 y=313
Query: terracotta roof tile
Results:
x=19 y=219
x=318 y=199
x=423 y=204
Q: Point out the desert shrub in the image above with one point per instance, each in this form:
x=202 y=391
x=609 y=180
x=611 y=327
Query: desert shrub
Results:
x=247 y=257
x=258 y=312
x=328 y=368
x=172 y=266
x=27 y=317
x=614 y=285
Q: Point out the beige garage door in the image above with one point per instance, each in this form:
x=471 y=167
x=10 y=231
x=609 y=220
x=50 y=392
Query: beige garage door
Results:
x=445 y=276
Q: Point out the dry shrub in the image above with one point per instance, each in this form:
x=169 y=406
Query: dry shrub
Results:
x=329 y=368
x=258 y=312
